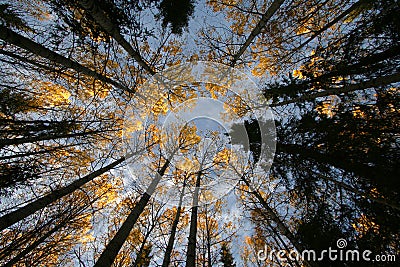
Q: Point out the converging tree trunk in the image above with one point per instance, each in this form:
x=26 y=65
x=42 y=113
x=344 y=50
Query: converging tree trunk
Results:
x=171 y=239
x=256 y=31
x=191 y=251
x=39 y=50
x=113 y=30
x=376 y=82
x=29 y=209
x=283 y=229
x=23 y=140
x=111 y=251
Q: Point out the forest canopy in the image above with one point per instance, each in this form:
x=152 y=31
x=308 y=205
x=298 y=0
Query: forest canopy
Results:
x=199 y=133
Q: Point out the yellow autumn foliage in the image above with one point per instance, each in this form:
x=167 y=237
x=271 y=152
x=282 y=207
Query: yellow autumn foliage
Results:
x=364 y=224
x=222 y=156
x=51 y=94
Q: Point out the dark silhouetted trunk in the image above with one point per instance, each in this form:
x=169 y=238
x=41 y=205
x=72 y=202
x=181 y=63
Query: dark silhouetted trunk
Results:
x=171 y=239
x=39 y=50
x=111 y=251
x=29 y=209
x=191 y=251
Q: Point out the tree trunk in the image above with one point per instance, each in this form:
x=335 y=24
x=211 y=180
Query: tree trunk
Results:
x=354 y=7
x=68 y=214
x=191 y=251
x=171 y=239
x=346 y=187
x=283 y=229
x=260 y=25
x=32 y=246
x=208 y=243
x=111 y=251
x=102 y=19
x=47 y=151
x=48 y=68
x=363 y=65
x=336 y=160
x=29 y=209
x=380 y=81
x=21 y=240
x=23 y=140
x=39 y=50
x=278 y=239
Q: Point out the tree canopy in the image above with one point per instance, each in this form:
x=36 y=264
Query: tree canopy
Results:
x=199 y=133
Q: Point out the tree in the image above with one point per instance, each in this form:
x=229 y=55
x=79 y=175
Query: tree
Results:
x=72 y=216
x=16 y=39
x=29 y=209
x=109 y=158
x=99 y=17
x=115 y=244
x=171 y=239
x=226 y=256
x=144 y=259
x=204 y=166
x=177 y=21
x=257 y=29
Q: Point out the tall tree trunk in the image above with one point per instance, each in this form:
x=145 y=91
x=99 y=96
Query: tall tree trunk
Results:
x=363 y=65
x=383 y=201
x=39 y=50
x=111 y=251
x=380 y=81
x=191 y=251
x=256 y=31
x=270 y=213
x=23 y=140
x=40 y=66
x=39 y=241
x=171 y=239
x=278 y=239
x=354 y=7
x=113 y=30
x=208 y=243
x=337 y=160
x=32 y=246
x=47 y=151
x=29 y=209
x=22 y=239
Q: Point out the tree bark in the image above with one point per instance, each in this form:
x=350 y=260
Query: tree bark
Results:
x=171 y=239
x=111 y=251
x=102 y=19
x=39 y=50
x=260 y=25
x=380 y=81
x=29 y=209
x=191 y=251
